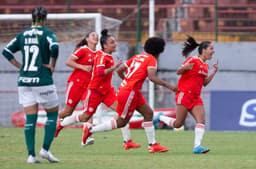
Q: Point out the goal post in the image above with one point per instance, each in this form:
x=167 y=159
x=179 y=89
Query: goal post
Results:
x=75 y=24
x=70 y=28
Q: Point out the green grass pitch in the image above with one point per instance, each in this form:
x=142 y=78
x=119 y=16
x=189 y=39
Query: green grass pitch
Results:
x=229 y=150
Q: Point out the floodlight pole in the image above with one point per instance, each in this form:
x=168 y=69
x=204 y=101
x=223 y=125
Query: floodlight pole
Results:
x=151 y=34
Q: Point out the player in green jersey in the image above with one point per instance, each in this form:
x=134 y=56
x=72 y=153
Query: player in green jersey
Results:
x=39 y=48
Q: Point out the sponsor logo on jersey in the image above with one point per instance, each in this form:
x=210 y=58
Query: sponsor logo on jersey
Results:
x=33 y=32
x=248 y=114
x=29 y=79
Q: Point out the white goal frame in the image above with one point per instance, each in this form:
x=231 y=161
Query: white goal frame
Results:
x=63 y=16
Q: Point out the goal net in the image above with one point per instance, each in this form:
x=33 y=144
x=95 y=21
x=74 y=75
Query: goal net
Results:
x=70 y=29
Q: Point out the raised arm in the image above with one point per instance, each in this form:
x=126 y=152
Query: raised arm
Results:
x=210 y=77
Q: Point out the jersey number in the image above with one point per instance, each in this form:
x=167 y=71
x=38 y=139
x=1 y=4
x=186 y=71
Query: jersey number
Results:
x=134 y=66
x=30 y=64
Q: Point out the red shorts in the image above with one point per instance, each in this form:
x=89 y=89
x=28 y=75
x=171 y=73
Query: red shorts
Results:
x=188 y=100
x=73 y=94
x=128 y=101
x=93 y=98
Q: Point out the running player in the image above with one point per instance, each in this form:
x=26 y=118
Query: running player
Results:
x=194 y=75
x=81 y=60
x=100 y=89
x=39 y=49
x=137 y=69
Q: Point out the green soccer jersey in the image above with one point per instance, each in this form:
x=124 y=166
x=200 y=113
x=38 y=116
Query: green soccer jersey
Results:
x=37 y=45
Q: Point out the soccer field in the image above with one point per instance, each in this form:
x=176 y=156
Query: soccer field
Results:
x=229 y=150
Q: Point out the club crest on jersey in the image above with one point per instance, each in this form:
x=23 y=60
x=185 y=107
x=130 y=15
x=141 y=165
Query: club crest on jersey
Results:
x=248 y=114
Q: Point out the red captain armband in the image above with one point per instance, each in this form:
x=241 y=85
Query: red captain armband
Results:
x=100 y=71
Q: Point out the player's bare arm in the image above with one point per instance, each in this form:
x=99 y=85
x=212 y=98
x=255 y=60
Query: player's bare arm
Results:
x=121 y=70
x=210 y=77
x=71 y=62
x=185 y=67
x=113 y=68
x=152 y=76
x=16 y=63
x=51 y=66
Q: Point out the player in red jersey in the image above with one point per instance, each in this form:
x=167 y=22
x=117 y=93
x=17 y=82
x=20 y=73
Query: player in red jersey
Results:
x=100 y=89
x=137 y=69
x=81 y=60
x=194 y=75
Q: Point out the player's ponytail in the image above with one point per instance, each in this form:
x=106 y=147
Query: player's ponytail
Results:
x=189 y=46
x=104 y=37
x=83 y=41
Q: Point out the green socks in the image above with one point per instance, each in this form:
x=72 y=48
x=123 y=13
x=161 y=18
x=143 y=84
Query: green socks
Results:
x=50 y=129
x=29 y=130
x=30 y=127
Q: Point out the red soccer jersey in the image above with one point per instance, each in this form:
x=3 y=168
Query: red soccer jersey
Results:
x=137 y=70
x=85 y=56
x=101 y=83
x=192 y=81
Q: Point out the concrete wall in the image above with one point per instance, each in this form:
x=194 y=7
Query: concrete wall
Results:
x=236 y=61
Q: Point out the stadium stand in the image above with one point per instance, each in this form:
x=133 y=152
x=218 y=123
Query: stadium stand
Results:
x=172 y=16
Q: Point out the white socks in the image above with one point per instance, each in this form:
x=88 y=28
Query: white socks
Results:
x=167 y=120
x=109 y=125
x=74 y=118
x=199 y=133
x=150 y=132
x=126 y=132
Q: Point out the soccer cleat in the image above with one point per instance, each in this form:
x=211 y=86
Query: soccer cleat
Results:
x=129 y=144
x=156 y=118
x=89 y=141
x=31 y=159
x=200 y=150
x=86 y=134
x=48 y=156
x=157 y=148
x=58 y=128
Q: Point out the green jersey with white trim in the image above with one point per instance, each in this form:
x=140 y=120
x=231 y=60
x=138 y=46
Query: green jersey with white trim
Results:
x=37 y=45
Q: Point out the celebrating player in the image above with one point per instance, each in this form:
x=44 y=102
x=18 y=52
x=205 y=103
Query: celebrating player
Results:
x=194 y=75
x=137 y=69
x=81 y=60
x=39 y=49
x=100 y=89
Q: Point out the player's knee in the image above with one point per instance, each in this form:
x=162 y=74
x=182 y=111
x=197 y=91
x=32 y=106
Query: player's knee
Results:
x=84 y=117
x=121 y=123
x=148 y=116
x=177 y=124
x=66 y=113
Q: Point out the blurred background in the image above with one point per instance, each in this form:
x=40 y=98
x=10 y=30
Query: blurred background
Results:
x=231 y=24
